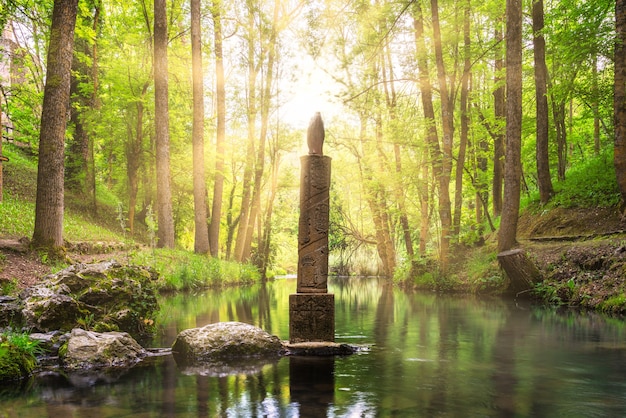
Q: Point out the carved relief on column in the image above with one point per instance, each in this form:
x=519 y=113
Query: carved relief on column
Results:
x=313 y=227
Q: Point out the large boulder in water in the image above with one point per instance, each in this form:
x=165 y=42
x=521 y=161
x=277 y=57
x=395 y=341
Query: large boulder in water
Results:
x=87 y=350
x=224 y=341
x=104 y=296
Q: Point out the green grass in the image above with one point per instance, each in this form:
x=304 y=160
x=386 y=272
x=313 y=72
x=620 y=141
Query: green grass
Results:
x=484 y=273
x=184 y=270
x=589 y=184
x=17 y=355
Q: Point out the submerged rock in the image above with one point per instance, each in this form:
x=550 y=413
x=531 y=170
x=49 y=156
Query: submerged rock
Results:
x=224 y=341
x=87 y=350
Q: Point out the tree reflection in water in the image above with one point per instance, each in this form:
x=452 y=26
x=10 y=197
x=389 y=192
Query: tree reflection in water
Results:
x=427 y=355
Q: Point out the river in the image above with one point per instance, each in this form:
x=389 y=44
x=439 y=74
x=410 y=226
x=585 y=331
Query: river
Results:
x=425 y=355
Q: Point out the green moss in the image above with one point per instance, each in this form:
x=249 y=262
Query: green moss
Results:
x=614 y=304
x=17 y=356
x=63 y=350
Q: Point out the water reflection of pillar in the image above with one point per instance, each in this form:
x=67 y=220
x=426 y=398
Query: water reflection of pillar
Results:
x=170 y=373
x=312 y=384
x=202 y=382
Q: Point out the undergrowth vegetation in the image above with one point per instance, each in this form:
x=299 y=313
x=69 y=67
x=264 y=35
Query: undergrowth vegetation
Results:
x=183 y=270
x=589 y=184
x=17 y=355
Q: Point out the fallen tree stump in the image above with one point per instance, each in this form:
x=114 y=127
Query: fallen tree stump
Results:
x=521 y=271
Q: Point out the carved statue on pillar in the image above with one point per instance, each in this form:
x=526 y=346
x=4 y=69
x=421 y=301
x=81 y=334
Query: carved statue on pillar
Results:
x=312 y=309
x=315 y=135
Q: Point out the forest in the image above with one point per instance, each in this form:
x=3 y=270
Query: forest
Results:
x=442 y=118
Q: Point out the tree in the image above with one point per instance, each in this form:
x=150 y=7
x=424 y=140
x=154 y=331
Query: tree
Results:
x=544 y=181
x=220 y=88
x=464 y=135
x=619 y=99
x=244 y=227
x=507 y=236
x=161 y=121
x=48 y=232
x=499 y=109
x=201 y=241
x=80 y=167
x=447 y=120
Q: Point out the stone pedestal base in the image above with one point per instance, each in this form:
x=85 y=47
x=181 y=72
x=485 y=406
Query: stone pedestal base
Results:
x=311 y=317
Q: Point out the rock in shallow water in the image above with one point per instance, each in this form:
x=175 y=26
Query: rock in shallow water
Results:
x=224 y=340
x=87 y=350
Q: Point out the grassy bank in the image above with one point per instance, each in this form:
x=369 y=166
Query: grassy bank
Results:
x=99 y=236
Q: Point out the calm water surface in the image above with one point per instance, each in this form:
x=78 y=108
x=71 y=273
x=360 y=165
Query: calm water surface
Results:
x=428 y=356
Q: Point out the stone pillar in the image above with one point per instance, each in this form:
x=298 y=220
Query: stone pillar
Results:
x=312 y=308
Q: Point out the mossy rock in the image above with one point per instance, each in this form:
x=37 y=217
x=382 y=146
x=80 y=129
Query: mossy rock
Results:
x=224 y=341
x=87 y=350
x=106 y=294
x=15 y=363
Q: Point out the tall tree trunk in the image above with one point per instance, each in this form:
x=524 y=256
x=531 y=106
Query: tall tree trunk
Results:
x=500 y=115
x=161 y=122
x=447 y=122
x=201 y=238
x=507 y=237
x=541 y=94
x=90 y=180
x=374 y=196
x=218 y=187
x=266 y=100
x=425 y=86
x=231 y=220
x=424 y=198
x=558 y=112
x=48 y=231
x=390 y=93
x=595 y=105
x=244 y=218
x=78 y=144
x=265 y=238
x=460 y=161
x=379 y=204
x=80 y=164
x=134 y=158
x=619 y=103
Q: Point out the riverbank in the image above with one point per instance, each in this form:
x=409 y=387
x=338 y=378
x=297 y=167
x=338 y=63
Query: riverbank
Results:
x=581 y=254
x=178 y=270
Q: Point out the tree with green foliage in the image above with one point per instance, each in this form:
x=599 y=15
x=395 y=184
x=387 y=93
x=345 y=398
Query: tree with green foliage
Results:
x=507 y=237
x=620 y=99
x=220 y=89
x=161 y=122
x=48 y=231
x=544 y=181
x=201 y=238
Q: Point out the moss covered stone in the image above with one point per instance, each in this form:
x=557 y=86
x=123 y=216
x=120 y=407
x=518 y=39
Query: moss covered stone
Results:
x=105 y=295
x=224 y=340
x=15 y=362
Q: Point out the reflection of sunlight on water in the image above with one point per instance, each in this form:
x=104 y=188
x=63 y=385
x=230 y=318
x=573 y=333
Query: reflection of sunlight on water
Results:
x=424 y=360
x=361 y=406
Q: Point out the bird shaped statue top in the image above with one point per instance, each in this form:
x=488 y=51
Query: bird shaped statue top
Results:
x=315 y=135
